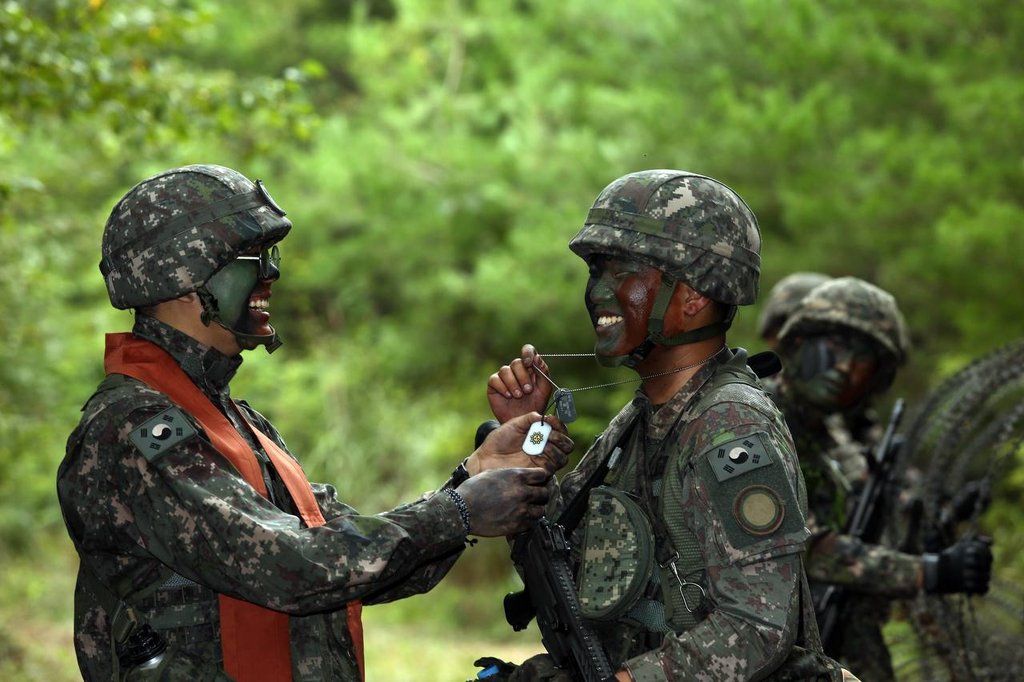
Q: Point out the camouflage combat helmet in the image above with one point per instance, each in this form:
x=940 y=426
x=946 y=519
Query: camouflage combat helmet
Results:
x=692 y=228
x=171 y=233
x=689 y=226
x=849 y=303
x=783 y=300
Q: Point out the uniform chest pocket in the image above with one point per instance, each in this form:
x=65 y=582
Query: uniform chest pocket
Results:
x=617 y=556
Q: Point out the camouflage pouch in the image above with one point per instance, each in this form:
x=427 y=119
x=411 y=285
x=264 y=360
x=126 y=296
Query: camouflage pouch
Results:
x=617 y=556
x=806 y=665
x=176 y=664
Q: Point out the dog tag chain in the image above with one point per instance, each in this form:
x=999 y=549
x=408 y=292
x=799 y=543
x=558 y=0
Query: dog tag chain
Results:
x=565 y=405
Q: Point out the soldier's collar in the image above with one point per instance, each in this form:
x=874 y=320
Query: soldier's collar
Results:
x=662 y=419
x=210 y=369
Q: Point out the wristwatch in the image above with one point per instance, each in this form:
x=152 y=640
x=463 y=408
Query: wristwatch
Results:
x=460 y=474
x=483 y=431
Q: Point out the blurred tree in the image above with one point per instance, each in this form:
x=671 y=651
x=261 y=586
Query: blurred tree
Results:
x=88 y=97
x=437 y=155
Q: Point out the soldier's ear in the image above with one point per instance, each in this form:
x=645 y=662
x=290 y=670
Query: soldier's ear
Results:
x=691 y=301
x=175 y=308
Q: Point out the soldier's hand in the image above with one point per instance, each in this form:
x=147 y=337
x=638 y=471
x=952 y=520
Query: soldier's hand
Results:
x=505 y=501
x=973 y=497
x=963 y=567
x=540 y=668
x=518 y=388
x=494 y=669
x=503 y=447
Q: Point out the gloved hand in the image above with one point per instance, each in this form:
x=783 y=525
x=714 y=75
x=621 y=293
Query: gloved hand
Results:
x=540 y=668
x=963 y=567
x=494 y=669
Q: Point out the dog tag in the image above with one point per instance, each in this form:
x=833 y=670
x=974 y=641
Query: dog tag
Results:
x=565 y=406
x=536 y=438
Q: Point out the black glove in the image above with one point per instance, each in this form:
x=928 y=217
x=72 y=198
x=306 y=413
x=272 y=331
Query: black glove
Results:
x=964 y=567
x=494 y=669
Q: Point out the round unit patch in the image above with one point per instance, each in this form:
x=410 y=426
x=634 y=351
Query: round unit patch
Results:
x=758 y=510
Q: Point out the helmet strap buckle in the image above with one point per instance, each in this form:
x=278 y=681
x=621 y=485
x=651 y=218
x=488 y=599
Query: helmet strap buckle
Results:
x=211 y=313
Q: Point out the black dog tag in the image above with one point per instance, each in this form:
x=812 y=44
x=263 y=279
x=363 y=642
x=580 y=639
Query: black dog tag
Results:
x=565 y=406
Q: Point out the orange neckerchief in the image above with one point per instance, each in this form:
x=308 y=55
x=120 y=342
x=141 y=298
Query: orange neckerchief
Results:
x=255 y=640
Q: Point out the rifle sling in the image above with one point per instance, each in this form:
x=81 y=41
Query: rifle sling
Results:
x=574 y=511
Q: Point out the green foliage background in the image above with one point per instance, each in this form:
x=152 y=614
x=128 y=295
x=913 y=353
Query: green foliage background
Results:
x=435 y=157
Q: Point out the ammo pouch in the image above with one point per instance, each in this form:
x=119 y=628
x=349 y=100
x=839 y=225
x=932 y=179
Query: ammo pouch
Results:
x=175 y=664
x=618 y=563
x=617 y=556
x=619 y=571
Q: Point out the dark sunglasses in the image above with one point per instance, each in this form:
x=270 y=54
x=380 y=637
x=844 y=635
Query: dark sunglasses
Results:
x=269 y=261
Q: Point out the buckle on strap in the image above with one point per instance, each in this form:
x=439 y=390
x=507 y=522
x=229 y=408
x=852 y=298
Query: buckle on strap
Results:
x=123 y=623
x=683 y=582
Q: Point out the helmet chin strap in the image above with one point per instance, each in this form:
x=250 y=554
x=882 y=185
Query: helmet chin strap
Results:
x=211 y=313
x=656 y=325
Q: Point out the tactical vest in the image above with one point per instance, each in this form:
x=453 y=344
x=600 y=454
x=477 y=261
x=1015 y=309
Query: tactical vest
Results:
x=645 y=601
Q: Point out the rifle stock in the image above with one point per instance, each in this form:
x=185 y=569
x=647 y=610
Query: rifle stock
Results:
x=543 y=557
x=550 y=594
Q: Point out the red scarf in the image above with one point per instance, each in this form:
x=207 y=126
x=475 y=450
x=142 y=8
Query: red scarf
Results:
x=255 y=640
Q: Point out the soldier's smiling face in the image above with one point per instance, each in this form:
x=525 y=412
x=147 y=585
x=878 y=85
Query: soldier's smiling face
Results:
x=620 y=296
x=242 y=292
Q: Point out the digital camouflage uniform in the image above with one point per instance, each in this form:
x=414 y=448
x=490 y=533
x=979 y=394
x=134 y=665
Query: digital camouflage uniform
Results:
x=167 y=532
x=740 y=535
x=834 y=464
x=717 y=461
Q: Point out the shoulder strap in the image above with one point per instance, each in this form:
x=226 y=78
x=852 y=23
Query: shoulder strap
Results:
x=576 y=508
x=678 y=561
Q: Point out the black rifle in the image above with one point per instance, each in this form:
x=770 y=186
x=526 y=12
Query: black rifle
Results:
x=866 y=523
x=543 y=557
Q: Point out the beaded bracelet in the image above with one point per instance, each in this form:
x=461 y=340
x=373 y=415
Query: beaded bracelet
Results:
x=460 y=504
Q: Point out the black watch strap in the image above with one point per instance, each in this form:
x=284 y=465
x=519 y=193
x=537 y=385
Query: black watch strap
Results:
x=460 y=474
x=483 y=431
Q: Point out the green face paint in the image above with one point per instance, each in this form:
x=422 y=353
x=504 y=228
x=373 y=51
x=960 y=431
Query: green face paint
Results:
x=620 y=295
x=833 y=372
x=233 y=288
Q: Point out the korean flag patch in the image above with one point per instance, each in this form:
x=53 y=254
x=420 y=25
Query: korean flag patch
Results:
x=161 y=433
x=738 y=457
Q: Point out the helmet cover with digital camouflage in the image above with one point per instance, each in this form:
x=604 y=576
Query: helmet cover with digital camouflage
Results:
x=692 y=228
x=855 y=312
x=176 y=232
x=784 y=298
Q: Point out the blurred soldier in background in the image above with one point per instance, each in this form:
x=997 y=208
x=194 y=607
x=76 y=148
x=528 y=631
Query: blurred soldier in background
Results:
x=205 y=552
x=841 y=348
x=782 y=300
x=691 y=551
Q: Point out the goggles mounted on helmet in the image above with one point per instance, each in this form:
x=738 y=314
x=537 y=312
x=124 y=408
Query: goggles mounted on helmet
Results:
x=269 y=262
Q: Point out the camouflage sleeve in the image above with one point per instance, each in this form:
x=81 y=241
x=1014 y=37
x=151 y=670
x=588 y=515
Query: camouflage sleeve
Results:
x=191 y=510
x=327 y=497
x=741 y=497
x=748 y=633
x=869 y=569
